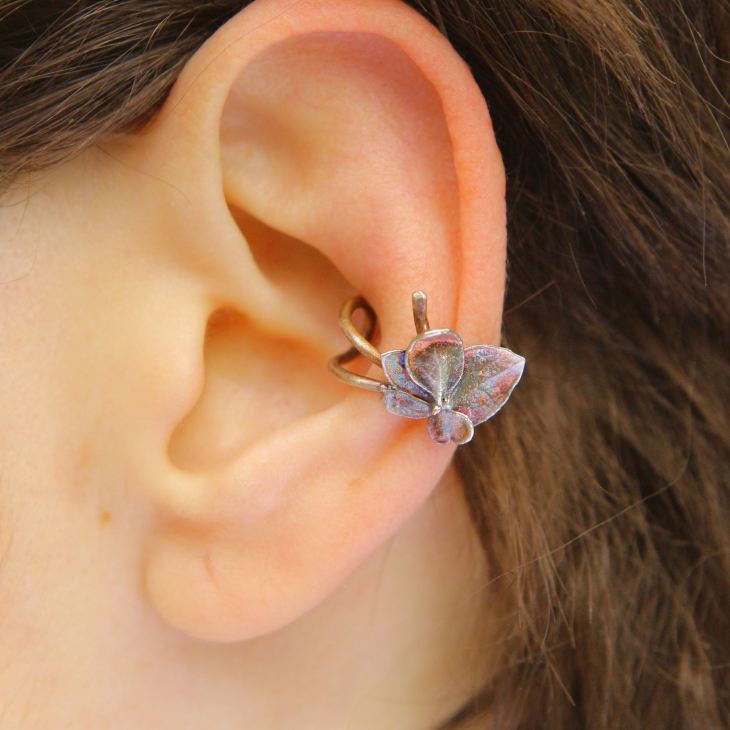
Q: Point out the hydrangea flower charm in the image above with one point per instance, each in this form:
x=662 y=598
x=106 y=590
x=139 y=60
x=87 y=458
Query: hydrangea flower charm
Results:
x=455 y=388
x=435 y=377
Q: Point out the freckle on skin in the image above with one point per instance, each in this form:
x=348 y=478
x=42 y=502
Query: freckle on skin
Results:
x=104 y=518
x=208 y=562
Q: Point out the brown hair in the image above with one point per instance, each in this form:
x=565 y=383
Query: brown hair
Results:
x=602 y=494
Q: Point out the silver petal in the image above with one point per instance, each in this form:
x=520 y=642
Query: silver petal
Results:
x=447 y=426
x=435 y=361
x=490 y=375
x=400 y=403
x=395 y=370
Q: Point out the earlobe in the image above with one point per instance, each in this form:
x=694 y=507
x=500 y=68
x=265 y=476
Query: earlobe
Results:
x=355 y=129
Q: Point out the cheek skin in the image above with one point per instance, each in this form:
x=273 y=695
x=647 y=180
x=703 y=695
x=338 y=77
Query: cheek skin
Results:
x=81 y=358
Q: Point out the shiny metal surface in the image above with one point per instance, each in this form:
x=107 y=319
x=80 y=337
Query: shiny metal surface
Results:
x=435 y=377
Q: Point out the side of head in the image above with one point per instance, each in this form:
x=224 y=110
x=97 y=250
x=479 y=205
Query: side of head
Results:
x=198 y=370
x=174 y=447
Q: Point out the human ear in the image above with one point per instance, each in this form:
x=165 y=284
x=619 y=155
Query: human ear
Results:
x=349 y=135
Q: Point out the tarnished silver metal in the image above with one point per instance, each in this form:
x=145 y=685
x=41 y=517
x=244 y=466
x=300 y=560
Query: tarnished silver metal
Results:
x=419 y=311
x=361 y=346
x=435 y=377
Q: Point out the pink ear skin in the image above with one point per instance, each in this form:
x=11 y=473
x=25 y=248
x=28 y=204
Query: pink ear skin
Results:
x=355 y=129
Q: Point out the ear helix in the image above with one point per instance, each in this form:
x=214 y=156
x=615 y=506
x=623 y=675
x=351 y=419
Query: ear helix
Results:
x=435 y=377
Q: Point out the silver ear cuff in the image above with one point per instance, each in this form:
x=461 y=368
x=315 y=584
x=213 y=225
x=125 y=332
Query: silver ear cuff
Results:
x=435 y=377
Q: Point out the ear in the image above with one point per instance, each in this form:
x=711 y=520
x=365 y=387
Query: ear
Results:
x=308 y=151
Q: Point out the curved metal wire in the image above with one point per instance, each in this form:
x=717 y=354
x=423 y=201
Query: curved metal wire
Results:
x=361 y=346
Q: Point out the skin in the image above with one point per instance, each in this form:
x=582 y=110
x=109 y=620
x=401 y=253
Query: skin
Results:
x=200 y=527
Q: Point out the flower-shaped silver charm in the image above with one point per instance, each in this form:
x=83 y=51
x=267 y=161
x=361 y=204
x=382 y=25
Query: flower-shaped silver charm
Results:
x=455 y=388
x=434 y=377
